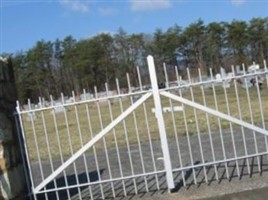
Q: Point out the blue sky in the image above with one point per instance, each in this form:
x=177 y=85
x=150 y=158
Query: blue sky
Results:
x=24 y=22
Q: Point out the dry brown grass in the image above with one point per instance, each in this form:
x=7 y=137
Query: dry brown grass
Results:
x=69 y=123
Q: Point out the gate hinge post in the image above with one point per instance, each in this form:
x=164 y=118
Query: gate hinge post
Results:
x=160 y=122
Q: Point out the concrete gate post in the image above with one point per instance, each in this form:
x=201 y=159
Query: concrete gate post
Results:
x=12 y=178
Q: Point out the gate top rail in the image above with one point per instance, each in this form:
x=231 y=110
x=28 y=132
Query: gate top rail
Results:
x=213 y=80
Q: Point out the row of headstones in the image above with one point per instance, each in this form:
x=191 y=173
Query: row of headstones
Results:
x=87 y=96
x=223 y=79
x=59 y=105
x=67 y=100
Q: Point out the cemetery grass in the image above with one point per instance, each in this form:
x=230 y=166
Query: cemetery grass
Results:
x=53 y=136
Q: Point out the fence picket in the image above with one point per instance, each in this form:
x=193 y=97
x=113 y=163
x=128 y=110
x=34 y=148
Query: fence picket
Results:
x=222 y=119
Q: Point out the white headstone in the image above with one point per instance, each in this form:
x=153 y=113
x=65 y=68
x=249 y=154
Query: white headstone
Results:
x=223 y=73
x=31 y=116
x=238 y=70
x=218 y=77
x=59 y=108
x=70 y=100
x=253 y=68
x=86 y=96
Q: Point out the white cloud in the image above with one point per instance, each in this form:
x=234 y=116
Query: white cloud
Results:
x=144 y=5
x=75 y=5
x=107 y=11
x=238 y=2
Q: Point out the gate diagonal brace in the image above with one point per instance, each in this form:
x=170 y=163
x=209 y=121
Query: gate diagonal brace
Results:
x=93 y=141
x=215 y=113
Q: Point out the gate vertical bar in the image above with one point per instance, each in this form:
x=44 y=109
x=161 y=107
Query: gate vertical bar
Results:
x=160 y=121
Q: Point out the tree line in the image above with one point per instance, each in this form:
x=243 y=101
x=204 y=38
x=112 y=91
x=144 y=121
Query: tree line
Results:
x=52 y=67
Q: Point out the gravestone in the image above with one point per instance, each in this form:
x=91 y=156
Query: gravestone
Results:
x=12 y=179
x=59 y=108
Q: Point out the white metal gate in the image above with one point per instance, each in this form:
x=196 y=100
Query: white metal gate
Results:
x=120 y=143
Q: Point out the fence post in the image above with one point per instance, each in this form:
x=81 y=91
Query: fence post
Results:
x=12 y=179
x=160 y=122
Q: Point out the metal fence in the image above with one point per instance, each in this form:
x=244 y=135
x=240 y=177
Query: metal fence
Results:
x=193 y=130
